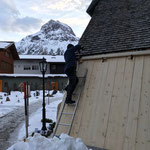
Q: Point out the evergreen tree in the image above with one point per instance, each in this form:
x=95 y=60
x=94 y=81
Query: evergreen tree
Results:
x=58 y=52
x=51 y=52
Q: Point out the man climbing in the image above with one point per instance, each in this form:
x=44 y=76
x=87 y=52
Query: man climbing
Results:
x=70 y=70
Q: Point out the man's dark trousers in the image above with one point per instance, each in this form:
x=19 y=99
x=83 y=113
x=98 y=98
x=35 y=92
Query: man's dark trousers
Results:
x=73 y=80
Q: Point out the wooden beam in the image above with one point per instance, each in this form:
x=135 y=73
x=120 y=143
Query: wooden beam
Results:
x=116 y=55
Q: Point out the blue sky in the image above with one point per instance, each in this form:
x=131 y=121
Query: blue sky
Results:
x=20 y=18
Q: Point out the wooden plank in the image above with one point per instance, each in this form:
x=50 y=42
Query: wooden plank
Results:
x=66 y=119
x=59 y=129
x=119 y=106
x=102 y=111
x=114 y=106
x=116 y=55
x=97 y=94
x=86 y=111
x=76 y=123
x=125 y=99
x=0 y=85
x=70 y=109
x=87 y=124
x=131 y=125
x=143 y=129
x=79 y=114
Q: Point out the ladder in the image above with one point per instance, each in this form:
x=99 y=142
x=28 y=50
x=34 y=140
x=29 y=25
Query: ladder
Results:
x=79 y=86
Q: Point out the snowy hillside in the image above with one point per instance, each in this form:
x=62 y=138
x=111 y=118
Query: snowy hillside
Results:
x=52 y=39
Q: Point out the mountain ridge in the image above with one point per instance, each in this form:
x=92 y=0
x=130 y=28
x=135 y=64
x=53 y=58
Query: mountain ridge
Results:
x=52 y=39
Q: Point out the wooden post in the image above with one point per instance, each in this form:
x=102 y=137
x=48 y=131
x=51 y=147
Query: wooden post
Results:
x=28 y=103
x=25 y=104
x=48 y=96
x=48 y=88
x=0 y=85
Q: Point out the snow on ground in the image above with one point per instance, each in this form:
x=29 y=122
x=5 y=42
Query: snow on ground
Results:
x=17 y=100
x=35 y=120
x=38 y=142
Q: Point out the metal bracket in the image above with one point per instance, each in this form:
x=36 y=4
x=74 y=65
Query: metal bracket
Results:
x=103 y=59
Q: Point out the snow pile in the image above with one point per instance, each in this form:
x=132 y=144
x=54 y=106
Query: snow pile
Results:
x=39 y=142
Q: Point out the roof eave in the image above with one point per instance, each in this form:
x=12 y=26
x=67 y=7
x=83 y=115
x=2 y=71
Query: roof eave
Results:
x=92 y=6
x=14 y=51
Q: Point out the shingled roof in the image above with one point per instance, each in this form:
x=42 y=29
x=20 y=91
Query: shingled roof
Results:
x=92 y=7
x=117 y=26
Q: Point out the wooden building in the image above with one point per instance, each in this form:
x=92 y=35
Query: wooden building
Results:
x=114 y=107
x=26 y=68
x=8 y=54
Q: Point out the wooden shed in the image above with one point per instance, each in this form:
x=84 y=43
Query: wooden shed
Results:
x=8 y=54
x=113 y=112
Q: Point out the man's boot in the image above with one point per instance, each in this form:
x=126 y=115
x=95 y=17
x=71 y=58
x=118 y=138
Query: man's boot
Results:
x=69 y=102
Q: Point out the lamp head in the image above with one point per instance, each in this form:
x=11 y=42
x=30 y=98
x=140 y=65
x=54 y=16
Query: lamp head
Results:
x=43 y=65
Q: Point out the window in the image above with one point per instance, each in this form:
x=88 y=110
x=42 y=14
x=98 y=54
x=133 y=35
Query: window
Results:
x=27 y=67
x=53 y=67
x=35 y=67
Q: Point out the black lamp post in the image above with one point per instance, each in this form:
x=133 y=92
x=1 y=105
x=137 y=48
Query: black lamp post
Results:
x=43 y=69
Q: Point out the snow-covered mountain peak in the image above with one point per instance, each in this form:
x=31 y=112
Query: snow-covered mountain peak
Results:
x=56 y=26
x=52 y=39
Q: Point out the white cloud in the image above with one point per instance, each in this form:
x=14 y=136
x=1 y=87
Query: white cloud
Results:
x=58 y=6
x=27 y=24
x=8 y=6
x=73 y=12
x=35 y=8
x=75 y=21
x=66 y=5
x=10 y=19
x=27 y=16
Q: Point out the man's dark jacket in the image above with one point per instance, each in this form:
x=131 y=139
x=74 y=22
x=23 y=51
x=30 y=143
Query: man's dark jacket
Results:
x=70 y=57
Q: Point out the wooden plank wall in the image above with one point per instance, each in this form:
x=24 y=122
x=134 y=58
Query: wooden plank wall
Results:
x=0 y=85
x=114 y=108
x=68 y=108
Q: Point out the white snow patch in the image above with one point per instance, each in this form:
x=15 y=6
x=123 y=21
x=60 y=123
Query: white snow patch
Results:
x=35 y=119
x=47 y=57
x=17 y=100
x=33 y=75
x=4 y=44
x=38 y=142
